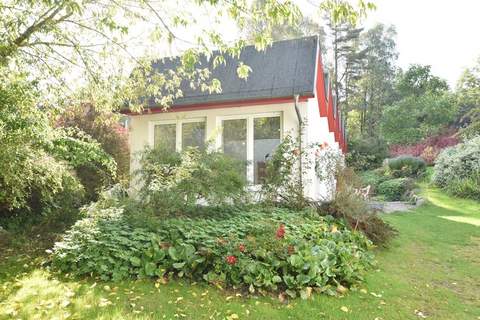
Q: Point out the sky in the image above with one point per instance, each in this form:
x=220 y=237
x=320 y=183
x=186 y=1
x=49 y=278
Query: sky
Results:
x=442 y=33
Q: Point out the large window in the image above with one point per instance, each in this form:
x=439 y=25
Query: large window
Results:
x=252 y=139
x=266 y=138
x=193 y=134
x=165 y=136
x=178 y=135
x=234 y=139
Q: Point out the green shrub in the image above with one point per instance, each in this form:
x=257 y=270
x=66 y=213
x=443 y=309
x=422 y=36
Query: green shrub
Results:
x=31 y=179
x=366 y=153
x=406 y=166
x=104 y=128
x=373 y=178
x=395 y=189
x=465 y=187
x=176 y=182
x=458 y=163
x=278 y=250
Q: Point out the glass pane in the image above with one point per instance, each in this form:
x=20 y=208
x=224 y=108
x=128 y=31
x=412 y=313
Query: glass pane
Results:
x=266 y=137
x=235 y=139
x=165 y=136
x=193 y=135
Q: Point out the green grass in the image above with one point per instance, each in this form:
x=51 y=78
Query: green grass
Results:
x=432 y=267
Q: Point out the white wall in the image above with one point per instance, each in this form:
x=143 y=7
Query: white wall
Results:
x=317 y=133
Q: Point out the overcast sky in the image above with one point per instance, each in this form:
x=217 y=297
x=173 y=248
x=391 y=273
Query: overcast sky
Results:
x=442 y=33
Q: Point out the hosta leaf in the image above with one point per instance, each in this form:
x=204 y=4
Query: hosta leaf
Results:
x=179 y=265
x=135 y=261
x=150 y=269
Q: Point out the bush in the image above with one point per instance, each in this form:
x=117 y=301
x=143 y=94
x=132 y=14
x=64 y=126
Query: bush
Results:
x=366 y=153
x=395 y=189
x=406 y=166
x=37 y=160
x=457 y=167
x=104 y=128
x=176 y=182
x=465 y=187
x=373 y=178
x=428 y=149
x=279 y=250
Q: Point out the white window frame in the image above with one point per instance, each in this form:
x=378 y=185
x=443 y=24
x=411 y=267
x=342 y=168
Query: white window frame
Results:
x=250 y=136
x=178 y=130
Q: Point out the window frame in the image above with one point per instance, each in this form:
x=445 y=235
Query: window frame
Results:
x=250 y=136
x=178 y=130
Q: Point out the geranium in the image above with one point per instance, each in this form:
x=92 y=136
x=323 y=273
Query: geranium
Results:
x=241 y=247
x=231 y=260
x=280 y=232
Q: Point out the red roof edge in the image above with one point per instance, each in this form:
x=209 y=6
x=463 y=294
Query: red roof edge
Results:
x=218 y=105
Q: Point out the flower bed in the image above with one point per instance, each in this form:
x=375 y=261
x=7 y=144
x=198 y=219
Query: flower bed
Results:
x=256 y=250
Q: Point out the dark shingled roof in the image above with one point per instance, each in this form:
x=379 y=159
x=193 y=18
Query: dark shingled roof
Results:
x=284 y=69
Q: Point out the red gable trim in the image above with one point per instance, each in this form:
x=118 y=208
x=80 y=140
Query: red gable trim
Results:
x=219 y=105
x=321 y=94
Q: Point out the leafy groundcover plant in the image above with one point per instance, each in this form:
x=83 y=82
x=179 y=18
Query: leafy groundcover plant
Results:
x=257 y=250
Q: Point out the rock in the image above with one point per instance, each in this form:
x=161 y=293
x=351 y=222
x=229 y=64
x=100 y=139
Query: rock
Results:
x=419 y=201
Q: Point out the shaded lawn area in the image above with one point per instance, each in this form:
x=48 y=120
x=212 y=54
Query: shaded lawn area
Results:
x=432 y=269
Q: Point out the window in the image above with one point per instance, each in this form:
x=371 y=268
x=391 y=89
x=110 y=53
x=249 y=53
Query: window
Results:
x=165 y=135
x=193 y=134
x=252 y=139
x=266 y=138
x=177 y=135
x=234 y=139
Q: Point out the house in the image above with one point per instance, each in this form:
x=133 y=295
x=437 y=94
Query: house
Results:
x=287 y=86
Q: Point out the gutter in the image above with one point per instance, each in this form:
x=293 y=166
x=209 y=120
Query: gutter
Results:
x=300 y=133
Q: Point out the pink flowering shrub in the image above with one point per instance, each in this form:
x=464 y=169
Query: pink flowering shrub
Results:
x=428 y=149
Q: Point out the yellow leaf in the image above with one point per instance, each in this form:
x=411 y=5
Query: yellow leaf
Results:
x=233 y=316
x=344 y=309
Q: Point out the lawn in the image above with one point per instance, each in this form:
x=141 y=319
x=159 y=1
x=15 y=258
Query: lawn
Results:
x=432 y=269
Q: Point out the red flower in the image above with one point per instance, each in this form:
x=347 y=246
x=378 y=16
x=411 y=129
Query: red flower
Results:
x=231 y=260
x=280 y=231
x=241 y=247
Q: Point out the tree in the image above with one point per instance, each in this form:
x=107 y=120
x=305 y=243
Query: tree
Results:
x=468 y=100
x=302 y=26
x=414 y=118
x=418 y=80
x=374 y=88
x=103 y=41
x=96 y=39
x=348 y=61
x=423 y=107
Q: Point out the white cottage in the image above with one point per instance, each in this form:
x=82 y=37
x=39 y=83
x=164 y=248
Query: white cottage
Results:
x=249 y=118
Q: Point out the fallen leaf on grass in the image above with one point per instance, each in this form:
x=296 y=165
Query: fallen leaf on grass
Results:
x=420 y=314
x=344 y=309
x=179 y=299
x=233 y=316
x=104 y=302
